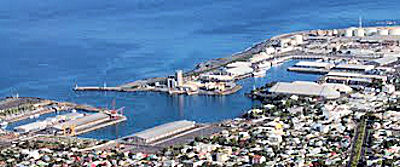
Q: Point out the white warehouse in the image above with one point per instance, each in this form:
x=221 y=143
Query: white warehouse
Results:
x=163 y=131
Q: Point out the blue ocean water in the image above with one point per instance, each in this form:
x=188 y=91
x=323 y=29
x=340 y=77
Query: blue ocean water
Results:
x=48 y=46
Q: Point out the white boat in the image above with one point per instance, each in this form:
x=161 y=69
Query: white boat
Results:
x=73 y=110
x=31 y=117
x=37 y=115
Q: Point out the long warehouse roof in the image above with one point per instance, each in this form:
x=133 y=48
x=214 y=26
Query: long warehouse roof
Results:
x=164 y=128
x=355 y=66
x=314 y=64
x=83 y=120
x=356 y=75
x=305 y=89
x=386 y=60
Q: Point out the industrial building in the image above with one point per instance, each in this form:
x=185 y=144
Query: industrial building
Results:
x=83 y=122
x=309 y=66
x=175 y=81
x=353 y=79
x=384 y=60
x=31 y=127
x=239 y=71
x=349 y=75
x=162 y=131
x=303 y=88
x=259 y=57
x=216 y=77
x=358 y=68
x=41 y=125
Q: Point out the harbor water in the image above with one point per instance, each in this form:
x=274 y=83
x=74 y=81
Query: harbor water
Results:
x=48 y=46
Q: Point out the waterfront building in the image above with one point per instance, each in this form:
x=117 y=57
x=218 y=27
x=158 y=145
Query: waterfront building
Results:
x=357 y=68
x=256 y=58
x=359 y=32
x=303 y=88
x=384 y=60
x=35 y=126
x=349 y=32
x=238 y=64
x=239 y=71
x=383 y=32
x=309 y=66
x=394 y=31
x=83 y=122
x=179 y=77
x=162 y=131
x=348 y=76
x=171 y=82
x=216 y=77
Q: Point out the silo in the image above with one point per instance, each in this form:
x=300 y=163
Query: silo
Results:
x=335 y=32
x=383 y=32
x=349 y=32
x=299 y=39
x=394 y=31
x=179 y=77
x=371 y=31
x=359 y=32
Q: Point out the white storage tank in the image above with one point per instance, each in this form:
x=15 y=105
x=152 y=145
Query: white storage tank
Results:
x=394 y=31
x=299 y=39
x=349 y=32
x=335 y=32
x=329 y=32
x=270 y=50
x=371 y=31
x=383 y=32
x=359 y=32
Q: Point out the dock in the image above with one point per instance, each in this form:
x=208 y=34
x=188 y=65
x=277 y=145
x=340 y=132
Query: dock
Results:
x=110 y=89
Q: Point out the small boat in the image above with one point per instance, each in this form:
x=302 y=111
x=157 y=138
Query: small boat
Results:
x=73 y=110
x=37 y=115
x=31 y=117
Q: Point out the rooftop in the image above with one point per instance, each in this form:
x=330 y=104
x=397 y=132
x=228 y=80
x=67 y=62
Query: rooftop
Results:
x=305 y=89
x=163 y=129
x=385 y=60
x=355 y=66
x=356 y=75
x=83 y=120
x=314 y=64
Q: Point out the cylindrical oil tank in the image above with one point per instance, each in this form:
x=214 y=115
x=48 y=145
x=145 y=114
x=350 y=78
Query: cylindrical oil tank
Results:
x=359 y=32
x=383 y=31
x=394 y=31
x=371 y=31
